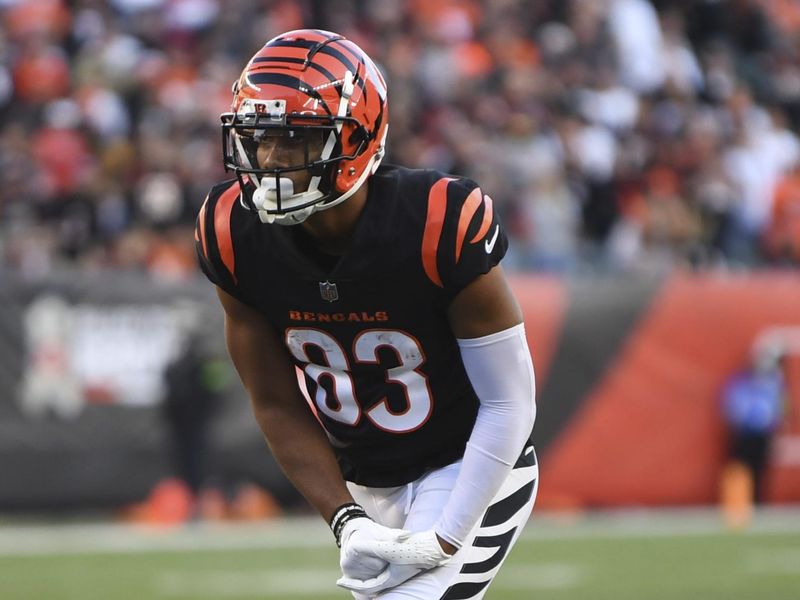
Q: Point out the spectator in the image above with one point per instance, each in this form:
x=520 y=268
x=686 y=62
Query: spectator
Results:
x=189 y=404
x=753 y=405
x=106 y=109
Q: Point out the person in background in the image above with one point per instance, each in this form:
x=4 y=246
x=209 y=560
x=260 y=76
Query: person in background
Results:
x=189 y=405
x=753 y=407
x=381 y=284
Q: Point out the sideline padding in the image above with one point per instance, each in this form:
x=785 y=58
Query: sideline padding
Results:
x=597 y=318
x=544 y=303
x=651 y=432
x=628 y=377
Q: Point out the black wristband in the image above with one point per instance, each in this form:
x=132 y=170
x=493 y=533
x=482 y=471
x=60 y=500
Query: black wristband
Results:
x=343 y=514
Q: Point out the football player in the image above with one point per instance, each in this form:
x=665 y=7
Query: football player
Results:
x=381 y=286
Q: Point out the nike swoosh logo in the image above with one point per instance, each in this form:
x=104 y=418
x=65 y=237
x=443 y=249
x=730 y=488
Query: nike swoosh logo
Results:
x=490 y=243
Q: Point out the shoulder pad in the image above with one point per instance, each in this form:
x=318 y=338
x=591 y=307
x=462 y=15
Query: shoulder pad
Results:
x=462 y=237
x=213 y=234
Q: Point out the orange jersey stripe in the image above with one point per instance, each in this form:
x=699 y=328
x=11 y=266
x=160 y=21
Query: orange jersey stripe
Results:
x=487 y=220
x=471 y=205
x=202 y=229
x=222 y=227
x=437 y=204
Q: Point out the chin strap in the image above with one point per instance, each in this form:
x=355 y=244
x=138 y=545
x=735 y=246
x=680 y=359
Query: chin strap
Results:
x=267 y=194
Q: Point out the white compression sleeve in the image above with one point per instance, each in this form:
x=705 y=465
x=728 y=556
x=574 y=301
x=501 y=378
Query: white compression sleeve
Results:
x=501 y=372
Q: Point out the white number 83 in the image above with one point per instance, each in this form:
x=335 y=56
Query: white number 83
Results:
x=344 y=407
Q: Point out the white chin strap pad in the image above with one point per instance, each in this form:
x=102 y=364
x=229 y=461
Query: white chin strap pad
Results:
x=266 y=195
x=265 y=199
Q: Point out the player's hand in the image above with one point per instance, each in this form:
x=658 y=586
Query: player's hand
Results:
x=390 y=577
x=358 y=537
x=407 y=556
x=423 y=550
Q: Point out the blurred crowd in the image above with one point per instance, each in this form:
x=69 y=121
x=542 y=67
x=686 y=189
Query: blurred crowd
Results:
x=614 y=135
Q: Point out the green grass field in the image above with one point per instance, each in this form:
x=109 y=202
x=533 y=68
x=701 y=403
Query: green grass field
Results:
x=611 y=556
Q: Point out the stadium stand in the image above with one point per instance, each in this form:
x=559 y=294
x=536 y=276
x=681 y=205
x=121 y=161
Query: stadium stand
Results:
x=615 y=135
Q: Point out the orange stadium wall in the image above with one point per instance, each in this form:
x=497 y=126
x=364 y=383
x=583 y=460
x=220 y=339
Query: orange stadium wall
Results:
x=646 y=427
x=629 y=373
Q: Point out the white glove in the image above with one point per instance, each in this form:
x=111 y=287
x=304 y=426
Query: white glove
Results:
x=358 y=535
x=393 y=575
x=407 y=555
x=421 y=550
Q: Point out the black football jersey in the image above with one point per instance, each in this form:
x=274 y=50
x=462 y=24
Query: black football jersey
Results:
x=369 y=329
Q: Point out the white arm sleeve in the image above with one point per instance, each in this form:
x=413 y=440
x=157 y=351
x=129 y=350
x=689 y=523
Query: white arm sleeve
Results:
x=501 y=372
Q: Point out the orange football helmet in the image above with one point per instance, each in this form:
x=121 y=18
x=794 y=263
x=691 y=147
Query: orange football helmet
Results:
x=306 y=85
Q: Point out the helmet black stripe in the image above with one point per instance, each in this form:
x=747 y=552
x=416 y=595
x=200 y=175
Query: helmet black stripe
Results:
x=352 y=53
x=357 y=80
x=324 y=50
x=290 y=82
x=360 y=82
x=295 y=61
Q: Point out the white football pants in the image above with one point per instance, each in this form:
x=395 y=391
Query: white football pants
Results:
x=417 y=506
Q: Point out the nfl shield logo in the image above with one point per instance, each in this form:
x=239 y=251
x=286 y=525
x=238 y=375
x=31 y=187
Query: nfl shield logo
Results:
x=328 y=291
